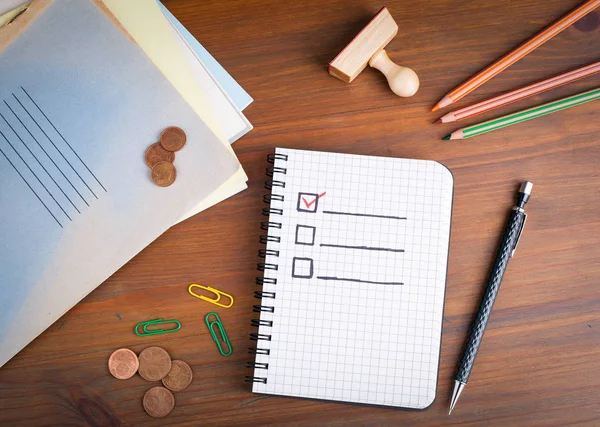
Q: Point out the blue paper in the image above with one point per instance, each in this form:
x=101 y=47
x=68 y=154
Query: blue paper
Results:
x=238 y=95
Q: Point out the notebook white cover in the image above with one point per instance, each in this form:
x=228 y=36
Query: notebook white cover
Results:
x=358 y=249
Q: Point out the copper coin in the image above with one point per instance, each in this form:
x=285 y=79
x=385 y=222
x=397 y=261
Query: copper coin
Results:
x=164 y=174
x=155 y=363
x=173 y=138
x=156 y=153
x=158 y=402
x=179 y=377
x=123 y=363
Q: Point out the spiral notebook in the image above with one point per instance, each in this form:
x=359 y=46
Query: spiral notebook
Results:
x=352 y=293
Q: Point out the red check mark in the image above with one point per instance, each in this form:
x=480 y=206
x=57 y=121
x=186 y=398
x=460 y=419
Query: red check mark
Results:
x=308 y=205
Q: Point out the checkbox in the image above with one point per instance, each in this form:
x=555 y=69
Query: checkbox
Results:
x=307 y=202
x=302 y=268
x=305 y=235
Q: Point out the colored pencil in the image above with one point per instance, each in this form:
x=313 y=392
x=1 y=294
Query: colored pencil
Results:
x=525 y=115
x=516 y=54
x=519 y=94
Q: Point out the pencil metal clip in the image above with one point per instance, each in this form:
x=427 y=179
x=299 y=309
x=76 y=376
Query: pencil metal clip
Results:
x=217 y=322
x=147 y=332
x=214 y=300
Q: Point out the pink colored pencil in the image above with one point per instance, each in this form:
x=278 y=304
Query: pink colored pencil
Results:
x=519 y=94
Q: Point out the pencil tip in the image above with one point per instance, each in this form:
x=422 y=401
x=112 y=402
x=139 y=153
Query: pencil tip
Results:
x=436 y=107
x=447 y=138
x=458 y=388
x=437 y=121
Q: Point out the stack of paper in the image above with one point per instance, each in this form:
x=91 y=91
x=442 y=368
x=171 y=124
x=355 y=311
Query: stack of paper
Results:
x=85 y=87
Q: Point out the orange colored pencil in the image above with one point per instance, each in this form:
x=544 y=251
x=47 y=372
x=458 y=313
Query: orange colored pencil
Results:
x=519 y=94
x=516 y=54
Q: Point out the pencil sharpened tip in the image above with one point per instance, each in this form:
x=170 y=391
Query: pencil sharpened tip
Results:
x=458 y=388
x=447 y=138
x=437 y=121
x=436 y=107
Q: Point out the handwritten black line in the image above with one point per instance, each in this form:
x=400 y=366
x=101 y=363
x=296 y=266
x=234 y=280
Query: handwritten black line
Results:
x=341 y=279
x=28 y=167
x=361 y=214
x=40 y=163
x=53 y=180
x=32 y=190
x=69 y=145
x=368 y=248
x=40 y=145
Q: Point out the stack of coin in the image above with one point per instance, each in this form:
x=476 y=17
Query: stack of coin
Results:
x=153 y=364
x=161 y=155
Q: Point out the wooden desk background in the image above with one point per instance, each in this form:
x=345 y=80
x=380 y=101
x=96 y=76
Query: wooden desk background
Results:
x=540 y=361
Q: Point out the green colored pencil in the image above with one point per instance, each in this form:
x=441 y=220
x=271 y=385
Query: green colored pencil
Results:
x=525 y=115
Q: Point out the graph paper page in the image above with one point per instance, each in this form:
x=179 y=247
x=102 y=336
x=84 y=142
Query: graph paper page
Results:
x=361 y=257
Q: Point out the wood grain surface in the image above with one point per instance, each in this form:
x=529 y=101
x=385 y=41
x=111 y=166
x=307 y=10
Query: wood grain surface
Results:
x=539 y=364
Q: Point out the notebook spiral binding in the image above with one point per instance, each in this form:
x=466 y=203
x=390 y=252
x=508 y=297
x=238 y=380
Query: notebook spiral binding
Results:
x=274 y=173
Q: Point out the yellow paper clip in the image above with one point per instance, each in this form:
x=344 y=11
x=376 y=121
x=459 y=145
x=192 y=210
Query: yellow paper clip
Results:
x=213 y=300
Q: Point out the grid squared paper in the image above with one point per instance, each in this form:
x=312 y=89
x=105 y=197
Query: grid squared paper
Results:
x=366 y=327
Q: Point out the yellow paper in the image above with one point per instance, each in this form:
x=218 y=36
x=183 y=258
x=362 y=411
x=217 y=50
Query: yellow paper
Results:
x=10 y=15
x=147 y=25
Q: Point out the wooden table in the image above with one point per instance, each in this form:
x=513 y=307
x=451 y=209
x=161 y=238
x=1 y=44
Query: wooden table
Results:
x=539 y=364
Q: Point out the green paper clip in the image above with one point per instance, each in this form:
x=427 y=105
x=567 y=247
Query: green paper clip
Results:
x=146 y=332
x=219 y=324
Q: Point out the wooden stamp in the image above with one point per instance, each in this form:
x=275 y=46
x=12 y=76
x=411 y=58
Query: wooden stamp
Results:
x=368 y=48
